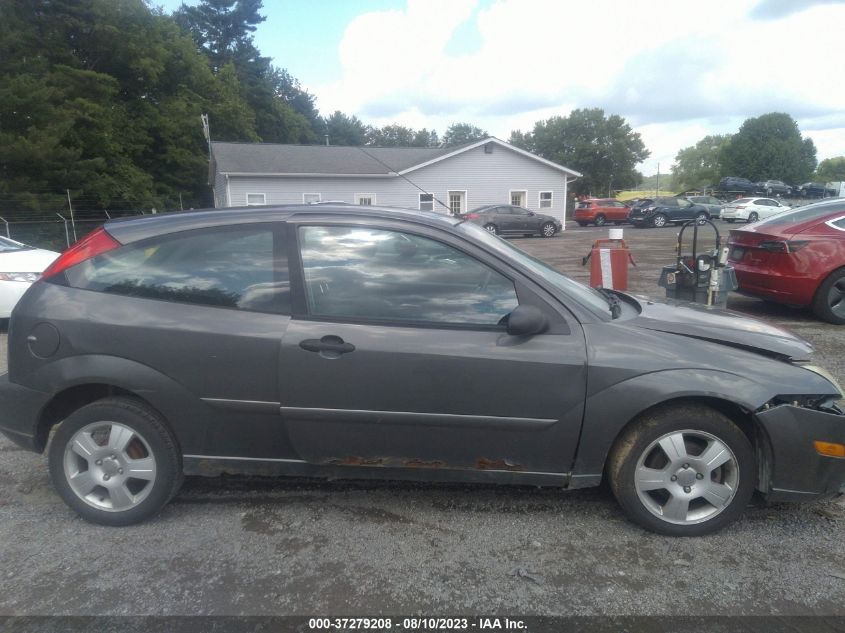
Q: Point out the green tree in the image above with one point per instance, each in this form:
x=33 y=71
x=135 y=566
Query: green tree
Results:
x=222 y=31
x=700 y=164
x=462 y=133
x=831 y=169
x=345 y=130
x=426 y=138
x=603 y=148
x=769 y=146
x=390 y=136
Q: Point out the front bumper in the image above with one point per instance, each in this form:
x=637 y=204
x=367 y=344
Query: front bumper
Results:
x=20 y=410
x=796 y=471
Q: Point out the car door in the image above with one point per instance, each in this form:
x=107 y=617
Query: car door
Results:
x=525 y=221
x=686 y=210
x=505 y=220
x=397 y=357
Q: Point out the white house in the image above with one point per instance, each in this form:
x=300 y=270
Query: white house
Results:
x=453 y=179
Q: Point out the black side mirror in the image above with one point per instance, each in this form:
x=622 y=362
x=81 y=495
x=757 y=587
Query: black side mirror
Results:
x=527 y=320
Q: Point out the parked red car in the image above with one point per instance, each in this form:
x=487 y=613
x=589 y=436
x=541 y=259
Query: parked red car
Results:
x=796 y=257
x=600 y=211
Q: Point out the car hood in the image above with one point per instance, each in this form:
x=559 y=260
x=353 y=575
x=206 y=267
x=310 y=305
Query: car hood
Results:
x=31 y=260
x=720 y=326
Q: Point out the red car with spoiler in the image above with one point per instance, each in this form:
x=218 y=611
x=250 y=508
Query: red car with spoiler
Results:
x=796 y=258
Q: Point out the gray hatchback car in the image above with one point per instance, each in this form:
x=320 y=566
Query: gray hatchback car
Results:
x=341 y=341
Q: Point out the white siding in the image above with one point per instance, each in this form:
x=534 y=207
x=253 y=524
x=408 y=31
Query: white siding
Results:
x=487 y=179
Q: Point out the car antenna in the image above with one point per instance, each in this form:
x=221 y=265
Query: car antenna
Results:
x=396 y=171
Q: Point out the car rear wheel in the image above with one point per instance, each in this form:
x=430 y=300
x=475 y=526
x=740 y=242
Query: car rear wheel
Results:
x=115 y=462
x=491 y=228
x=683 y=470
x=829 y=303
x=600 y=220
x=753 y=217
x=659 y=220
x=548 y=230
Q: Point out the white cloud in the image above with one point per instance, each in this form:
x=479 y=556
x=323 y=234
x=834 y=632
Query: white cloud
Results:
x=671 y=68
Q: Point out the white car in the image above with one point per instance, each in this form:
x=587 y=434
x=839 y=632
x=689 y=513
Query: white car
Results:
x=752 y=209
x=20 y=265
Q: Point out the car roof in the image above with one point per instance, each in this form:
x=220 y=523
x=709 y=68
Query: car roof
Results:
x=127 y=230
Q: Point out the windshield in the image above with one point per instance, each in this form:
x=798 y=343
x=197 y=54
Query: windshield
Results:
x=803 y=214
x=11 y=245
x=579 y=291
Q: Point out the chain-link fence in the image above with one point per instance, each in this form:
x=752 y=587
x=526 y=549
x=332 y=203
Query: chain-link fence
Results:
x=54 y=233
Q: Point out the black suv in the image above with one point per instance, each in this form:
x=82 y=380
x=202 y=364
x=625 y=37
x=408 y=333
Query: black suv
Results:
x=365 y=342
x=774 y=188
x=662 y=210
x=732 y=184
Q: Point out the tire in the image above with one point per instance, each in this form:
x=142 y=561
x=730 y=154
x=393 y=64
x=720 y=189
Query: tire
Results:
x=659 y=220
x=712 y=498
x=829 y=302
x=702 y=217
x=140 y=441
x=491 y=228
x=600 y=220
x=753 y=217
x=548 y=230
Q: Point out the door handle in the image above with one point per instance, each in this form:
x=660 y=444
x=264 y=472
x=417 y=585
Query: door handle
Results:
x=330 y=346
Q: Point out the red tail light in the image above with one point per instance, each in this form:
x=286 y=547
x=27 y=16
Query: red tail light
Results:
x=472 y=216
x=94 y=244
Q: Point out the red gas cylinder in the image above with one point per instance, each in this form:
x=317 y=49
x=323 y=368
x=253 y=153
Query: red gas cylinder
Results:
x=609 y=259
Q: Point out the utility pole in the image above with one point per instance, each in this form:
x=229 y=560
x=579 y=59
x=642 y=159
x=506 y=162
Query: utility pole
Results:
x=72 y=222
x=657 y=193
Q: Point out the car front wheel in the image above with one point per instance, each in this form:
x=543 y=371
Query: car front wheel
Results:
x=659 y=220
x=548 y=230
x=115 y=462
x=683 y=470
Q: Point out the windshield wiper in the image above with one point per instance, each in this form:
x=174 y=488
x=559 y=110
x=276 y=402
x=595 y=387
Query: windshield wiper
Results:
x=612 y=301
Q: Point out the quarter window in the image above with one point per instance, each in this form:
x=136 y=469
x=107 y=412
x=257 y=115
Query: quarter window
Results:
x=227 y=268
x=372 y=274
x=545 y=199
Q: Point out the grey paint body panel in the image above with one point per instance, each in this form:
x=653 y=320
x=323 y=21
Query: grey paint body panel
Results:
x=413 y=402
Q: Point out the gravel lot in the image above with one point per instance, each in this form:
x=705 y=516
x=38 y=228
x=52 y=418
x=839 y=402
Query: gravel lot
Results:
x=254 y=546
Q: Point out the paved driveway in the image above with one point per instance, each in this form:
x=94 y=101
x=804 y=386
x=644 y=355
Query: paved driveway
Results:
x=262 y=546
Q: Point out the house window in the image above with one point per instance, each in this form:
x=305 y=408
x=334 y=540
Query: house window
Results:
x=365 y=199
x=426 y=202
x=545 y=199
x=457 y=202
x=311 y=198
x=518 y=198
x=255 y=199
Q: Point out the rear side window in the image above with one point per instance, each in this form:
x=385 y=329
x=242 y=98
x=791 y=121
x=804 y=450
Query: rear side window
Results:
x=242 y=268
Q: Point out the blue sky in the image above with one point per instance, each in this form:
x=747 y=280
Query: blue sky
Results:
x=505 y=64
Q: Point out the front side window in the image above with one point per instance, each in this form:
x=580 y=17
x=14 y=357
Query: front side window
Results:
x=373 y=274
x=227 y=268
x=426 y=202
x=545 y=199
x=255 y=199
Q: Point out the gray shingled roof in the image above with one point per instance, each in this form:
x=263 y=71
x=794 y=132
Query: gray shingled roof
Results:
x=268 y=158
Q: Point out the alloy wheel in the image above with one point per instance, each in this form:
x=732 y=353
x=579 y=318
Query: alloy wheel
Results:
x=836 y=298
x=109 y=466
x=686 y=477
